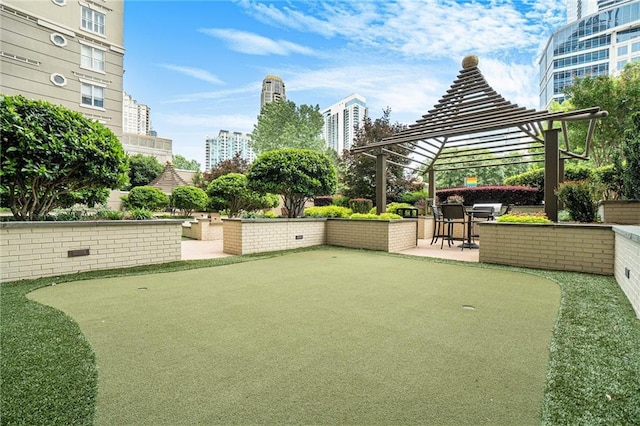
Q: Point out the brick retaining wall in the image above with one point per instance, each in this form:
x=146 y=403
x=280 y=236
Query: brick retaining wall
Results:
x=41 y=249
x=245 y=236
x=627 y=263
x=561 y=247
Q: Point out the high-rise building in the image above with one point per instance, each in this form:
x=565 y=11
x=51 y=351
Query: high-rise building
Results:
x=136 y=117
x=340 y=120
x=577 y=9
x=226 y=146
x=601 y=43
x=272 y=90
x=66 y=52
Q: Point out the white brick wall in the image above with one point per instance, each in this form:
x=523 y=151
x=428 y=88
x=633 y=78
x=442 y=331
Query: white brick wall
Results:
x=628 y=262
x=40 y=249
x=244 y=236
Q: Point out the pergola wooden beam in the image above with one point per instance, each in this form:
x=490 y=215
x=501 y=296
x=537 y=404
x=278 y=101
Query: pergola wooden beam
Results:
x=472 y=118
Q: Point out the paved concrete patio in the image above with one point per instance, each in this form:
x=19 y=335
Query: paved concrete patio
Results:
x=194 y=249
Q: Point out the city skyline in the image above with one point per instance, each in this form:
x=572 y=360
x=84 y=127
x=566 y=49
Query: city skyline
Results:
x=200 y=66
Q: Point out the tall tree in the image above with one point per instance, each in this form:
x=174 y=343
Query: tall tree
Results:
x=619 y=96
x=359 y=171
x=50 y=153
x=281 y=124
x=180 y=162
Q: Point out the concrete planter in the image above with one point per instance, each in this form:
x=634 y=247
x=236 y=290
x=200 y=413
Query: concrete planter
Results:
x=41 y=249
x=561 y=247
x=622 y=212
x=245 y=236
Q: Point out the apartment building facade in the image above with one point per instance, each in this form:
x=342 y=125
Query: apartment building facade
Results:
x=340 y=120
x=226 y=146
x=66 y=52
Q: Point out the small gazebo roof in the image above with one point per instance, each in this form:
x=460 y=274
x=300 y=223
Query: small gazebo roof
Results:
x=168 y=180
x=472 y=120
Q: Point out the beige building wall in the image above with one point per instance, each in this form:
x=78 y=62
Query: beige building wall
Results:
x=41 y=54
x=153 y=146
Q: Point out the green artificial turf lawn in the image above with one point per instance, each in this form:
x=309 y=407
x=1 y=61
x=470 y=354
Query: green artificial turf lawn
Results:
x=324 y=336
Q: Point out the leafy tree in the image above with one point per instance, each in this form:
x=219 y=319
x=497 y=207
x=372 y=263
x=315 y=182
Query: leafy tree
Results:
x=50 y=154
x=359 y=176
x=188 y=199
x=236 y=164
x=146 y=197
x=281 y=124
x=296 y=174
x=232 y=193
x=143 y=169
x=180 y=162
x=619 y=96
x=631 y=152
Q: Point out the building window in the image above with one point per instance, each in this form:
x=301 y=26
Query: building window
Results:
x=58 y=79
x=92 y=20
x=635 y=47
x=622 y=50
x=58 y=39
x=91 y=58
x=92 y=95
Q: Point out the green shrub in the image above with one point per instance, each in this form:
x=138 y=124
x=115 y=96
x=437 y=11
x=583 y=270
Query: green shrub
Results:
x=146 y=197
x=53 y=157
x=360 y=205
x=140 y=214
x=324 y=200
x=372 y=216
x=259 y=215
x=516 y=217
x=392 y=208
x=610 y=179
x=328 y=211
x=189 y=199
x=110 y=215
x=341 y=201
x=231 y=193
x=579 y=199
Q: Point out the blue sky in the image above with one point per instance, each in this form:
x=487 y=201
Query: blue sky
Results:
x=199 y=65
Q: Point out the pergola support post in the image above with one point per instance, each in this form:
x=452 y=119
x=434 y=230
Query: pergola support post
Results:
x=432 y=185
x=381 y=183
x=551 y=173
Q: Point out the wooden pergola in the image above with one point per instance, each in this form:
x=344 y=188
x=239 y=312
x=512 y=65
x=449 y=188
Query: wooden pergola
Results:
x=474 y=126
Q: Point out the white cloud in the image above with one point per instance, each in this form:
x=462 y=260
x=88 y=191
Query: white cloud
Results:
x=197 y=73
x=254 y=44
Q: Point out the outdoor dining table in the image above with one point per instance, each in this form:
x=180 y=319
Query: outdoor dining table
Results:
x=470 y=220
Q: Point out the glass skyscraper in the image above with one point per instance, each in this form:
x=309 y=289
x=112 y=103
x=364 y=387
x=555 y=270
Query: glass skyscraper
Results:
x=598 y=44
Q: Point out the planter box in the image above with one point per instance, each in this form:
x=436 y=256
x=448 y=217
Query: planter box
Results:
x=245 y=236
x=383 y=235
x=623 y=212
x=203 y=229
x=561 y=247
x=41 y=249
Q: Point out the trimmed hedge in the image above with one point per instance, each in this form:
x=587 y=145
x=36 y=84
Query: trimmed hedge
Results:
x=516 y=195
